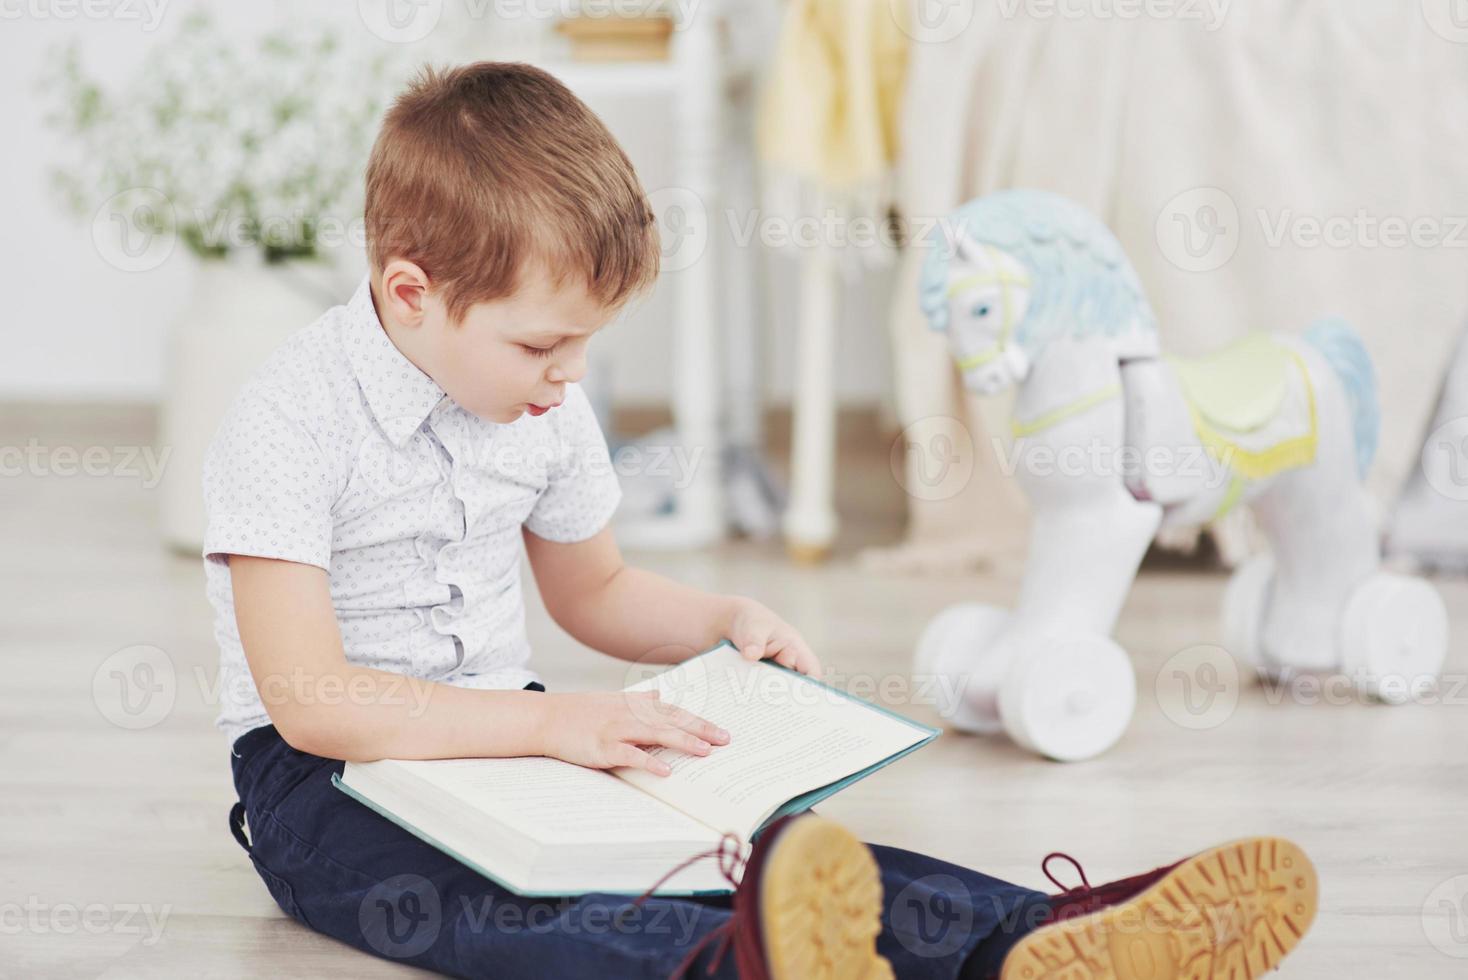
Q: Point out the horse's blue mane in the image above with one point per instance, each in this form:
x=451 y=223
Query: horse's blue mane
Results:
x=1080 y=279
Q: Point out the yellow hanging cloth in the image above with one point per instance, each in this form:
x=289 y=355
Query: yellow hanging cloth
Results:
x=829 y=113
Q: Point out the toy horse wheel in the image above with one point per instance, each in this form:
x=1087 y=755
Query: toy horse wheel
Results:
x=1242 y=619
x=1069 y=697
x=1394 y=637
x=956 y=644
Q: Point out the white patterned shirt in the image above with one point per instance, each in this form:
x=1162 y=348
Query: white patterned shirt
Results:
x=340 y=453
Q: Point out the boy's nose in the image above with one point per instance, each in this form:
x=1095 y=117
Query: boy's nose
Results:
x=570 y=371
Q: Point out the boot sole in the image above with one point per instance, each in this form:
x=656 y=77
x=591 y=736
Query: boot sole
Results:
x=1231 y=913
x=821 y=905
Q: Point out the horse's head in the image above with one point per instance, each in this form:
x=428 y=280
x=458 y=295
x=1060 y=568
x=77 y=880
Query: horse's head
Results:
x=985 y=296
x=1018 y=269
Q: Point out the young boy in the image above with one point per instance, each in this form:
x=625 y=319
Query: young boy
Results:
x=369 y=496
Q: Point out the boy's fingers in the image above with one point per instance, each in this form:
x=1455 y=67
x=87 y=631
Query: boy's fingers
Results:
x=673 y=738
x=626 y=754
x=677 y=738
x=690 y=722
x=663 y=709
x=649 y=708
x=805 y=658
x=810 y=663
x=659 y=713
x=798 y=656
x=754 y=651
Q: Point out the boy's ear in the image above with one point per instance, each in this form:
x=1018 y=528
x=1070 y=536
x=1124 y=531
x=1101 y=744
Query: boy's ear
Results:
x=404 y=286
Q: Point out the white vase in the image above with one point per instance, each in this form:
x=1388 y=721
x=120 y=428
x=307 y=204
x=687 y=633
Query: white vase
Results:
x=241 y=309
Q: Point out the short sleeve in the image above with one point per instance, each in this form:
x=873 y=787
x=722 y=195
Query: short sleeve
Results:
x=268 y=487
x=582 y=491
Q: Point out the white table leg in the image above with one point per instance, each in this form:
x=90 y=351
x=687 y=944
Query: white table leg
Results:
x=810 y=521
x=698 y=507
x=753 y=504
x=695 y=366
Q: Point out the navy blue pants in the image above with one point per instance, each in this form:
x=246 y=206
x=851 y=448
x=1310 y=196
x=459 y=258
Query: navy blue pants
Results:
x=339 y=868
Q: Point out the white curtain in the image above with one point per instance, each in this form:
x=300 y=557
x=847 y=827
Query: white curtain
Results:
x=1316 y=151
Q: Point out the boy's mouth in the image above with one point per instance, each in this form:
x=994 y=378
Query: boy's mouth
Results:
x=540 y=409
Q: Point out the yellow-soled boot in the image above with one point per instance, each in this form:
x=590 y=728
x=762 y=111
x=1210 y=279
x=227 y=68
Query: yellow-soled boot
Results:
x=1230 y=913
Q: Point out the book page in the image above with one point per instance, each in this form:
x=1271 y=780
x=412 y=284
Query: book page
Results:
x=788 y=736
x=555 y=802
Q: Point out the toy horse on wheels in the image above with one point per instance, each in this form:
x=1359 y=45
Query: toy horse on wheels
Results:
x=1113 y=442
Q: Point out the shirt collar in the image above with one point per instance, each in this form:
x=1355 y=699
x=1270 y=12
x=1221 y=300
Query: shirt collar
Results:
x=399 y=394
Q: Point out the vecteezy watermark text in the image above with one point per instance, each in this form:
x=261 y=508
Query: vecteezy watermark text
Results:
x=147 y=13
x=407 y=21
x=1209 y=13
x=1200 y=229
x=95 y=918
x=143 y=463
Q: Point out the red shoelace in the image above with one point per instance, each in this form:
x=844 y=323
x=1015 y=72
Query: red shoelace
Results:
x=1070 y=902
x=747 y=943
x=1085 y=884
x=1085 y=897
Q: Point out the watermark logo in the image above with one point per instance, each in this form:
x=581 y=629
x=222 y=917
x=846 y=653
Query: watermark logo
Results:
x=1445 y=459
x=932 y=21
x=933 y=916
x=390 y=470
x=1198 y=230
x=1445 y=917
x=401 y=916
x=135 y=687
x=683 y=226
x=933 y=458
x=400 y=21
x=1198 y=687
x=133 y=230
x=1447 y=18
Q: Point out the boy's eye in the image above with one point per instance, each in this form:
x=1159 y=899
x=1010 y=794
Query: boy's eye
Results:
x=538 y=351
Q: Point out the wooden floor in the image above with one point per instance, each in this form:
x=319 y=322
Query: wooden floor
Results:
x=115 y=860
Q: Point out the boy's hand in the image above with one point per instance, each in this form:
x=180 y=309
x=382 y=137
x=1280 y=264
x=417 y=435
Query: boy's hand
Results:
x=603 y=731
x=760 y=634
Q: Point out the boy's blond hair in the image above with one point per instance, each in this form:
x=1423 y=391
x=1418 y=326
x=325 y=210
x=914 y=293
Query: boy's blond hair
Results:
x=483 y=169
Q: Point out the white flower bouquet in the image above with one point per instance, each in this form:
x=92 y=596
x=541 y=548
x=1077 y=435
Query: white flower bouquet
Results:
x=229 y=148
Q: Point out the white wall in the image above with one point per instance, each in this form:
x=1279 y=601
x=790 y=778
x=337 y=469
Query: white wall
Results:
x=80 y=329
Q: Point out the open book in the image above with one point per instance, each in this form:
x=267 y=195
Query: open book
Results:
x=541 y=826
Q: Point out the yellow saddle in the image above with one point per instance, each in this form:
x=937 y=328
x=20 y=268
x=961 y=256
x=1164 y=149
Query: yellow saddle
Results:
x=1252 y=405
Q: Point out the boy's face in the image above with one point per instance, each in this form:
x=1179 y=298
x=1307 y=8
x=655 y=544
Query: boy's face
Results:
x=508 y=357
